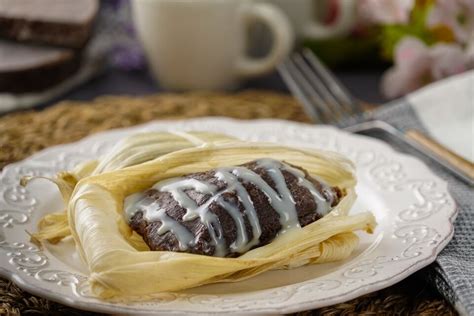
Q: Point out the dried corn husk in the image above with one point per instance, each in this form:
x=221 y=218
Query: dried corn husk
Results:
x=120 y=263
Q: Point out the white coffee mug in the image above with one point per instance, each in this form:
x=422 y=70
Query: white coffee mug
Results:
x=200 y=44
x=303 y=16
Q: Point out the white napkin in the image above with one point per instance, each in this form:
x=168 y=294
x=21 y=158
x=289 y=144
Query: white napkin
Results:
x=446 y=108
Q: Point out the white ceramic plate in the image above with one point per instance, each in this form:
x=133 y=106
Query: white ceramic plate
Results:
x=413 y=208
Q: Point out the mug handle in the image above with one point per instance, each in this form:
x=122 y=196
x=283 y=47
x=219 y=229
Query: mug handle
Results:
x=282 y=34
x=344 y=22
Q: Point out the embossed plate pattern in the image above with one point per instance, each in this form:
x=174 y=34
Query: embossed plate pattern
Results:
x=413 y=208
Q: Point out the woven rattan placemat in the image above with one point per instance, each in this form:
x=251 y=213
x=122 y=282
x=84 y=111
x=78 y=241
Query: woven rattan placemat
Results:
x=22 y=134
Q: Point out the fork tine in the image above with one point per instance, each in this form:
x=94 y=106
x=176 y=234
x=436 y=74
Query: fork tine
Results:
x=334 y=85
x=302 y=75
x=318 y=99
x=294 y=83
x=332 y=107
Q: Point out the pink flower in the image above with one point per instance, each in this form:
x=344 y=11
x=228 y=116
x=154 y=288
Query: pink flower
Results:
x=384 y=11
x=447 y=60
x=416 y=65
x=458 y=15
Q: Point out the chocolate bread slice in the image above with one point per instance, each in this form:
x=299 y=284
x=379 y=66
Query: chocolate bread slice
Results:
x=65 y=23
x=28 y=68
x=248 y=206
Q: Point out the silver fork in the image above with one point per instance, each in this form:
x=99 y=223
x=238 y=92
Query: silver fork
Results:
x=326 y=100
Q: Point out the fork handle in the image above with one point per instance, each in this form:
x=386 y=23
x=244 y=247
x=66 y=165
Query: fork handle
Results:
x=464 y=165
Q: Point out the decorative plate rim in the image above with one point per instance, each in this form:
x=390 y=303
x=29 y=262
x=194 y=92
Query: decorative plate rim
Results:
x=16 y=276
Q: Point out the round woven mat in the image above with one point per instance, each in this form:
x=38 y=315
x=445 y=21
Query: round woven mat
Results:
x=22 y=134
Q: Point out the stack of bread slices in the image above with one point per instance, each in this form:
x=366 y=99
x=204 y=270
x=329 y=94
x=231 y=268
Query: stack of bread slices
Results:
x=42 y=42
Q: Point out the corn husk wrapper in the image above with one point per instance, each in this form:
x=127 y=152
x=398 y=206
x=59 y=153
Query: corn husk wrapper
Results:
x=121 y=264
x=134 y=150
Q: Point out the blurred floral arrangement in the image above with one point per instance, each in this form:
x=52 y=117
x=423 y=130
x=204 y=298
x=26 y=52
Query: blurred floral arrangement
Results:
x=427 y=40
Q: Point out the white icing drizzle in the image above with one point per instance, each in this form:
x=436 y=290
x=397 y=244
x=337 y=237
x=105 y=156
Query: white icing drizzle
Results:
x=324 y=205
x=241 y=242
x=177 y=187
x=226 y=175
x=280 y=199
x=152 y=212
